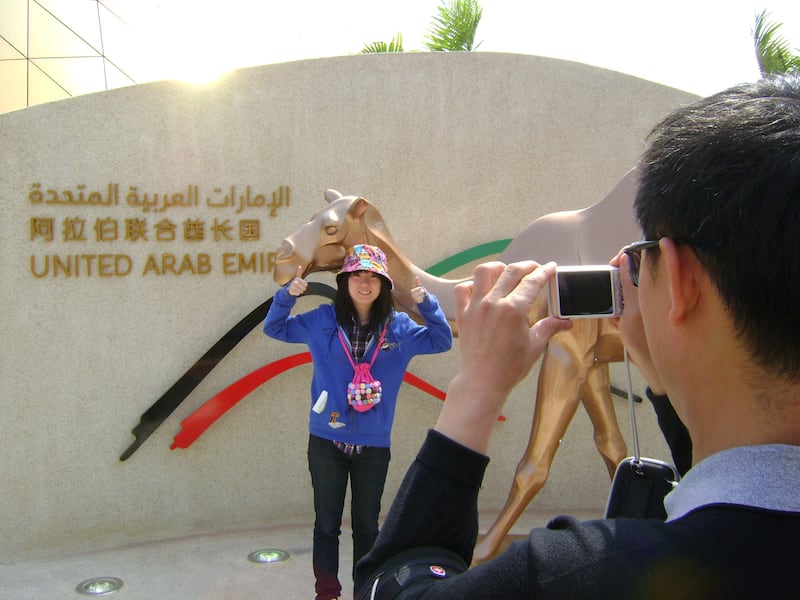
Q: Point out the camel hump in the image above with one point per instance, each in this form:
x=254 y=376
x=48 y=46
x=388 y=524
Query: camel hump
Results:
x=332 y=195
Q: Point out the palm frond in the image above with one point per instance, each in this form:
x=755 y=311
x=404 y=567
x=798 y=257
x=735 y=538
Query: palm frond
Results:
x=453 y=29
x=773 y=52
x=396 y=45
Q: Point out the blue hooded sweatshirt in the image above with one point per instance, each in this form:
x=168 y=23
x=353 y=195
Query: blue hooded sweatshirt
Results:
x=319 y=329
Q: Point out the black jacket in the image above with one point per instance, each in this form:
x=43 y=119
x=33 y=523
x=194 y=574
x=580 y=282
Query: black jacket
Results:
x=716 y=552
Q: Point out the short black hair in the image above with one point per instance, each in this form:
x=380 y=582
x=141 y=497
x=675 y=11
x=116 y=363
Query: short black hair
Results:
x=723 y=176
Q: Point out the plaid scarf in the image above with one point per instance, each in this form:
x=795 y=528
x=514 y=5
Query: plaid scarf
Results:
x=350 y=449
x=359 y=340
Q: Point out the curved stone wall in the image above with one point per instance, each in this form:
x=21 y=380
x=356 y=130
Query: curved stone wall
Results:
x=137 y=230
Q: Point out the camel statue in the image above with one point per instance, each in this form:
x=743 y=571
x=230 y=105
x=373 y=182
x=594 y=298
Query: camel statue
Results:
x=574 y=368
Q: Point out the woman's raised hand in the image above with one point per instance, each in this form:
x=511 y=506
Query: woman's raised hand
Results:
x=298 y=286
x=418 y=292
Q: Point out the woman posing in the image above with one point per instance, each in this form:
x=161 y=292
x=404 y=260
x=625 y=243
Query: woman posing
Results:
x=350 y=430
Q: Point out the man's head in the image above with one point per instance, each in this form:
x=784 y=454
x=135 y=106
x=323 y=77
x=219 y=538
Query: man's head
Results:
x=722 y=176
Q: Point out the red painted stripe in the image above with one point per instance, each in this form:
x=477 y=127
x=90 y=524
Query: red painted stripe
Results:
x=212 y=409
x=430 y=389
x=424 y=386
x=201 y=419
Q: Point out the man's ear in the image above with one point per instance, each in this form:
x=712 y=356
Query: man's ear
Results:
x=683 y=272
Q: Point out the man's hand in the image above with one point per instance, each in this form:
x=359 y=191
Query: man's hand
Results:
x=631 y=326
x=497 y=344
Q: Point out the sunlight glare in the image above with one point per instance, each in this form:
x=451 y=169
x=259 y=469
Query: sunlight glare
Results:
x=199 y=68
x=192 y=42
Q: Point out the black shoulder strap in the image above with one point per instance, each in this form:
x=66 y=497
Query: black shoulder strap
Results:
x=403 y=572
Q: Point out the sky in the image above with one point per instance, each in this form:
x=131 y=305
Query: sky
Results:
x=700 y=46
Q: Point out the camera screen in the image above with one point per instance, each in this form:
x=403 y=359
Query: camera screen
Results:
x=585 y=293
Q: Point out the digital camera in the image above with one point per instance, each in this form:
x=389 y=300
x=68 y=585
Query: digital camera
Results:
x=586 y=292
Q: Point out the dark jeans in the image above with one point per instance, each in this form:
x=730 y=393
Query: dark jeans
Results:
x=330 y=468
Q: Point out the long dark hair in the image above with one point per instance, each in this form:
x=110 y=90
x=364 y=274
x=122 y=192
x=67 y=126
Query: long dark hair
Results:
x=380 y=311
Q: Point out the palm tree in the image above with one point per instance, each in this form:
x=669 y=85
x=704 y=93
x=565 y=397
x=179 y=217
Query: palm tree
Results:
x=773 y=52
x=396 y=45
x=453 y=29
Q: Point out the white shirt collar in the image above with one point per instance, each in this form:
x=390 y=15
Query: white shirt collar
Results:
x=766 y=477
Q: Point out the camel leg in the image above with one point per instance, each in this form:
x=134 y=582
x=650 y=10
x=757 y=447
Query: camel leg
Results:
x=596 y=398
x=556 y=402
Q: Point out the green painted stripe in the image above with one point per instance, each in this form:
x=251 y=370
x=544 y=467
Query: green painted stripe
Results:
x=467 y=256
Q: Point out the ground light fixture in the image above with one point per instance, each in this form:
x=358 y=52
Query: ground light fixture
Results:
x=99 y=586
x=268 y=556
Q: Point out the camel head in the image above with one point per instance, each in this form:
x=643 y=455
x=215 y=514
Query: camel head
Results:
x=321 y=244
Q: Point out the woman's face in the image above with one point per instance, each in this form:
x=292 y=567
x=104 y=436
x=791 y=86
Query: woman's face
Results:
x=364 y=287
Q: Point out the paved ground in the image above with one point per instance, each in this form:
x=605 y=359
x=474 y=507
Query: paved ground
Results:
x=202 y=567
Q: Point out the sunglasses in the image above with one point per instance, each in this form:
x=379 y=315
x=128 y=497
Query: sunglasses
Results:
x=634 y=253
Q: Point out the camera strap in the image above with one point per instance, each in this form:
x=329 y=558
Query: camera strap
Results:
x=634 y=432
x=640 y=484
